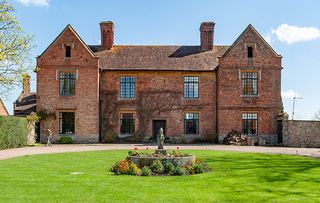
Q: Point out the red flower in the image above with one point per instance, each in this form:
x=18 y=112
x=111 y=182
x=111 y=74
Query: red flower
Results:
x=135 y=148
x=177 y=147
x=147 y=148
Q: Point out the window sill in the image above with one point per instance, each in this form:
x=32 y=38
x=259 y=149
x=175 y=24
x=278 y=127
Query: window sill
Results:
x=191 y=134
x=250 y=96
x=125 y=135
x=121 y=98
x=187 y=98
x=67 y=95
x=67 y=134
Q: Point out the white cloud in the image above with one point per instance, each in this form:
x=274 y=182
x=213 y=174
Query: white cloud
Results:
x=289 y=94
x=34 y=2
x=291 y=33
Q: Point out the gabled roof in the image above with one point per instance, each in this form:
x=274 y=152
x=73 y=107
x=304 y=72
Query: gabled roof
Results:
x=75 y=33
x=162 y=57
x=248 y=28
x=3 y=107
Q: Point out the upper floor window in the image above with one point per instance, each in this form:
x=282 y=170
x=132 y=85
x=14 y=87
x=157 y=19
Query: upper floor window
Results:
x=126 y=123
x=249 y=81
x=66 y=123
x=250 y=123
x=67 y=83
x=127 y=87
x=191 y=87
x=191 y=123
x=250 y=52
x=68 y=51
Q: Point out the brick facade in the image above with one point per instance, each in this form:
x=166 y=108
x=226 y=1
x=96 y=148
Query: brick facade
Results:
x=159 y=86
x=231 y=102
x=85 y=102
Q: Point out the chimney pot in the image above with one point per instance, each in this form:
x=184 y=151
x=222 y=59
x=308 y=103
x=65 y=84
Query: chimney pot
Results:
x=107 y=34
x=206 y=35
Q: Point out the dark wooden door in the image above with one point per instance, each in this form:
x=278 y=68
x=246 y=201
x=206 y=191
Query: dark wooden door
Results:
x=156 y=125
x=279 y=131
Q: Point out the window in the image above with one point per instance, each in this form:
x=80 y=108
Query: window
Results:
x=191 y=123
x=250 y=123
x=127 y=87
x=66 y=122
x=191 y=87
x=68 y=51
x=249 y=82
x=67 y=83
x=250 y=52
x=126 y=123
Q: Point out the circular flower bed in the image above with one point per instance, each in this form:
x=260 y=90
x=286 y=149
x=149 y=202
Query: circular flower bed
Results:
x=146 y=163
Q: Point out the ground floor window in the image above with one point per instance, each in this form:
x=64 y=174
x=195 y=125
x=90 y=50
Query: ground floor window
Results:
x=191 y=123
x=66 y=122
x=126 y=123
x=250 y=123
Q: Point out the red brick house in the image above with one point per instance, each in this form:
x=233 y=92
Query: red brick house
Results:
x=195 y=93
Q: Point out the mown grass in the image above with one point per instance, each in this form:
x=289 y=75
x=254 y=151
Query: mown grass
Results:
x=235 y=177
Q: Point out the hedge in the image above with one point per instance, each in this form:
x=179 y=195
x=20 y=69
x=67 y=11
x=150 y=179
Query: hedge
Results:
x=13 y=132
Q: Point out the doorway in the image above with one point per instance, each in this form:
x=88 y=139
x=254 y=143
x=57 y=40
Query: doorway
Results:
x=156 y=125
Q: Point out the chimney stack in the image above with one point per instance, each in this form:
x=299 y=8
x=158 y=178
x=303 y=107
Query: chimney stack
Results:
x=206 y=35
x=107 y=35
x=26 y=83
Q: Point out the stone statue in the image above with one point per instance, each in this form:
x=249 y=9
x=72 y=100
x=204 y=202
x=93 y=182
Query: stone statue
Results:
x=160 y=139
x=49 y=134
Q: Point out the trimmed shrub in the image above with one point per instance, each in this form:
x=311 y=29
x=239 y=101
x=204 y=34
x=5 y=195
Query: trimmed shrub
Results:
x=169 y=167
x=179 y=171
x=157 y=167
x=13 y=132
x=134 y=170
x=65 y=140
x=146 y=171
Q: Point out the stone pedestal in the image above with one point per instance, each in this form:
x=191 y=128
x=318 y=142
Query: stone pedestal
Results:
x=161 y=151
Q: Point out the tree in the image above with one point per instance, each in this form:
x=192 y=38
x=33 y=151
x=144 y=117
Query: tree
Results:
x=317 y=115
x=15 y=47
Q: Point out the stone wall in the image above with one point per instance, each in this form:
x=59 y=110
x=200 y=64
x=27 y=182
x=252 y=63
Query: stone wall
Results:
x=298 y=133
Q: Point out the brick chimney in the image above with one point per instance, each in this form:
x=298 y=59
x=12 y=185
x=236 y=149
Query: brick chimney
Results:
x=107 y=34
x=206 y=36
x=26 y=83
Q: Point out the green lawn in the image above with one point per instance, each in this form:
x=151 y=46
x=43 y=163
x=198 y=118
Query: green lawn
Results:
x=236 y=177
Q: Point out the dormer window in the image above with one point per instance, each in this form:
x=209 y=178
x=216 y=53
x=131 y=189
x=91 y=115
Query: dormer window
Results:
x=250 y=52
x=68 y=51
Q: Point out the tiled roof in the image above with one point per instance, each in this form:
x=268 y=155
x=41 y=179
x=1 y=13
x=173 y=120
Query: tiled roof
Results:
x=25 y=104
x=136 y=57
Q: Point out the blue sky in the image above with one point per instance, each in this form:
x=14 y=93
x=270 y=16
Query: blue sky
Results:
x=292 y=28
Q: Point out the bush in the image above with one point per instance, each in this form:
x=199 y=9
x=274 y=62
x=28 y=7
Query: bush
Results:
x=110 y=136
x=157 y=167
x=179 y=171
x=120 y=167
x=13 y=132
x=146 y=171
x=169 y=167
x=65 y=140
x=196 y=168
x=134 y=170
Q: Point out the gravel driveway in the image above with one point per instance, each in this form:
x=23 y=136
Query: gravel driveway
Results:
x=10 y=153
